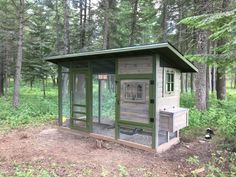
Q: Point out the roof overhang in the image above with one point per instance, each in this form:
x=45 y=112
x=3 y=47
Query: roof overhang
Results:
x=175 y=58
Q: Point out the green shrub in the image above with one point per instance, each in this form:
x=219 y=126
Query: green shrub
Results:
x=221 y=115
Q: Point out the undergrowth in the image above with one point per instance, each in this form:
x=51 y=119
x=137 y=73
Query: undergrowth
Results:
x=33 y=109
x=220 y=116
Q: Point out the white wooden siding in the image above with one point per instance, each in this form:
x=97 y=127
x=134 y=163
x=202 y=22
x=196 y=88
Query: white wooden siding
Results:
x=163 y=100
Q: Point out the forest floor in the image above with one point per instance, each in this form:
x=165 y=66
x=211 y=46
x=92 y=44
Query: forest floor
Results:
x=46 y=151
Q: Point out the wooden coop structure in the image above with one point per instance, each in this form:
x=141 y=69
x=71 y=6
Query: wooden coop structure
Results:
x=128 y=95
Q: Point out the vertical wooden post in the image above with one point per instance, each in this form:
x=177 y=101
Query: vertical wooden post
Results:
x=59 y=96
x=99 y=101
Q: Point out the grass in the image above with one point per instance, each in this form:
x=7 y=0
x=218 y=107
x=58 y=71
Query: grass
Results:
x=33 y=109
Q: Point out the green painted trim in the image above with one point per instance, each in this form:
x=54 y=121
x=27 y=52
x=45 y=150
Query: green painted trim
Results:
x=59 y=95
x=88 y=107
x=79 y=105
x=154 y=90
x=90 y=97
x=82 y=120
x=78 y=112
x=110 y=51
x=71 y=93
x=117 y=107
x=135 y=76
x=138 y=124
x=99 y=101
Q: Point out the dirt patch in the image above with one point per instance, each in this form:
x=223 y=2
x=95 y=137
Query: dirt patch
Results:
x=47 y=150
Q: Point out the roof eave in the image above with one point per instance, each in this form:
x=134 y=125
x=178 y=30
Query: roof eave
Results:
x=183 y=58
x=192 y=68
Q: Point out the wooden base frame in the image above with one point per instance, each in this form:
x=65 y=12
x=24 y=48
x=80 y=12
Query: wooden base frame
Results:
x=159 y=149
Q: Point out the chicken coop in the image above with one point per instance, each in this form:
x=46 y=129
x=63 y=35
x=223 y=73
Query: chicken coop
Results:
x=127 y=95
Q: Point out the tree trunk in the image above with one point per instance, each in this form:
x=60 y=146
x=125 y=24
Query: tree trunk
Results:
x=19 y=58
x=234 y=80
x=221 y=77
x=44 y=89
x=207 y=85
x=213 y=80
x=53 y=80
x=200 y=82
x=192 y=82
x=134 y=22
x=220 y=84
x=57 y=29
x=179 y=27
x=82 y=22
x=66 y=28
x=66 y=48
x=106 y=34
x=202 y=49
x=1 y=78
x=31 y=84
x=186 y=83
x=6 y=67
x=182 y=82
x=164 y=20
x=90 y=31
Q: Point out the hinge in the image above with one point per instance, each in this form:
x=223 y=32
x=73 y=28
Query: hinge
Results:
x=152 y=101
x=152 y=82
x=151 y=120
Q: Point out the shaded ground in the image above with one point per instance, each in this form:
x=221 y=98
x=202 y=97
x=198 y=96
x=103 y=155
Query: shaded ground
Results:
x=46 y=151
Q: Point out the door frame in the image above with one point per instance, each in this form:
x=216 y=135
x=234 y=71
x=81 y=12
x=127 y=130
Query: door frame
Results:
x=86 y=72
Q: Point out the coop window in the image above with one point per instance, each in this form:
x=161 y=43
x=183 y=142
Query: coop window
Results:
x=170 y=77
x=134 y=91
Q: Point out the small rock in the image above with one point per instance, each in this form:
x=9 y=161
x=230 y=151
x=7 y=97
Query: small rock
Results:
x=202 y=141
x=197 y=171
x=207 y=136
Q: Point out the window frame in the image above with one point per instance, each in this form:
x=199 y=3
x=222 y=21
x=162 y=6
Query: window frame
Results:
x=169 y=82
x=134 y=92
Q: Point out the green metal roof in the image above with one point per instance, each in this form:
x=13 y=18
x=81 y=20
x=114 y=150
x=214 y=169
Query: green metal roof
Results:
x=170 y=53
